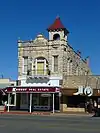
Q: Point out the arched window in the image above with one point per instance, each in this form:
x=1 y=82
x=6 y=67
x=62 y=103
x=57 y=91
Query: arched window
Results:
x=56 y=37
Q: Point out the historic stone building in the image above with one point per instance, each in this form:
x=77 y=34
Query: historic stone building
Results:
x=51 y=75
x=55 y=60
x=59 y=57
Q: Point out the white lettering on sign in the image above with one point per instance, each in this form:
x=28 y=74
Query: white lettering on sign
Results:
x=38 y=90
x=87 y=91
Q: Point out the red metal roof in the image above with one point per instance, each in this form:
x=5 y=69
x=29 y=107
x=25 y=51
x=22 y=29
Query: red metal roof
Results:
x=57 y=25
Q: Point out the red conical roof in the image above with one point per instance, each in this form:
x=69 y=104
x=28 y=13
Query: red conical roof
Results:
x=56 y=25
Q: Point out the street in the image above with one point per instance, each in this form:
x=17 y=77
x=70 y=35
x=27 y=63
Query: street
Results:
x=50 y=124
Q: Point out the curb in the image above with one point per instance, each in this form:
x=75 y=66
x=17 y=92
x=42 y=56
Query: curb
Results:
x=24 y=113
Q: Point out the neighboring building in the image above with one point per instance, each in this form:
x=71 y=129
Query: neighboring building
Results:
x=5 y=82
x=50 y=64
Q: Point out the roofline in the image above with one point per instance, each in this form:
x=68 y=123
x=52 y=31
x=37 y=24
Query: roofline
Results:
x=48 y=29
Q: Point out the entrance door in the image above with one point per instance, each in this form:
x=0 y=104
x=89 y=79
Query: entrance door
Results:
x=41 y=102
x=24 y=101
x=45 y=101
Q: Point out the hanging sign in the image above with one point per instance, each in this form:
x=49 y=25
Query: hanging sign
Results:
x=87 y=91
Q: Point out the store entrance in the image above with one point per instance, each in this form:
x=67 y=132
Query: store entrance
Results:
x=41 y=102
x=44 y=102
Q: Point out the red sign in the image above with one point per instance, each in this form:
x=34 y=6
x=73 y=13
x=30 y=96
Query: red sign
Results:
x=32 y=89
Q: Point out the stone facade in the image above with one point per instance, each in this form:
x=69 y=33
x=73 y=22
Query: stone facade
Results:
x=71 y=69
x=81 y=80
x=69 y=61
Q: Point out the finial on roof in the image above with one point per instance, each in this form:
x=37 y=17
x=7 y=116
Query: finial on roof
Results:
x=57 y=25
x=18 y=38
x=57 y=16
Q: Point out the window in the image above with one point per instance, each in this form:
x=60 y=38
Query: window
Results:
x=29 y=71
x=40 y=68
x=56 y=37
x=12 y=99
x=56 y=63
x=35 y=99
x=25 y=64
x=30 y=66
x=75 y=101
x=24 y=97
x=68 y=68
x=71 y=67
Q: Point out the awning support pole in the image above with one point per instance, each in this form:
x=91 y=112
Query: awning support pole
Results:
x=53 y=104
x=30 y=102
x=8 y=100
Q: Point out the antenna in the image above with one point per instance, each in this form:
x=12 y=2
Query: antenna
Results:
x=57 y=16
x=2 y=76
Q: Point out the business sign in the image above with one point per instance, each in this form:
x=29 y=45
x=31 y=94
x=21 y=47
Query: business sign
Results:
x=84 y=90
x=33 y=90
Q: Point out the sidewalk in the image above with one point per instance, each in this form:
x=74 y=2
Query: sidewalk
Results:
x=45 y=113
x=24 y=113
x=72 y=114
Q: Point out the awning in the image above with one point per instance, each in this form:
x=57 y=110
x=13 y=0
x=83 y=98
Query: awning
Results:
x=32 y=89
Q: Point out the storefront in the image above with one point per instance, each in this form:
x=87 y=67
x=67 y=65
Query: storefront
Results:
x=73 y=99
x=33 y=98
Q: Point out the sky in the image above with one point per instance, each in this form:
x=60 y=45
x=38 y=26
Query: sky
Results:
x=27 y=18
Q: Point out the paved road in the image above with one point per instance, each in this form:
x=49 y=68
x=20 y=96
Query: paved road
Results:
x=50 y=124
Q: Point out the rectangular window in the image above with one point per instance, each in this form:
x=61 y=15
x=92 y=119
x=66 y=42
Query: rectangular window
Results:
x=25 y=64
x=71 y=68
x=40 y=68
x=56 y=63
x=68 y=68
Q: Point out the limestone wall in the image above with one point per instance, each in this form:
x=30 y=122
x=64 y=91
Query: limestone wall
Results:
x=76 y=81
x=69 y=63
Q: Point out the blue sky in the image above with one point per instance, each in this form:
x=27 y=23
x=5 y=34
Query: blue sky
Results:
x=25 y=19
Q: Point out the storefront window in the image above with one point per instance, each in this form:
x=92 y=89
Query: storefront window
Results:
x=43 y=101
x=11 y=99
x=35 y=99
x=24 y=98
x=76 y=101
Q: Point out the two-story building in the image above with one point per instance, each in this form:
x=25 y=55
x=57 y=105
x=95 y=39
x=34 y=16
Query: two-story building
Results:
x=43 y=68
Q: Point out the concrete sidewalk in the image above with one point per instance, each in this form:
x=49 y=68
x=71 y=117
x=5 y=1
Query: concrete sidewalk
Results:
x=45 y=113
